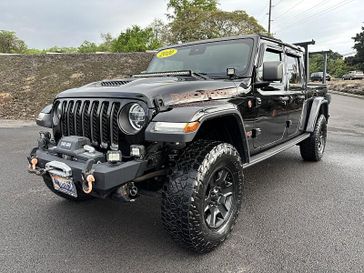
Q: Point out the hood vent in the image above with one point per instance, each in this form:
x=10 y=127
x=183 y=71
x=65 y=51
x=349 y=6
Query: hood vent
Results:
x=114 y=82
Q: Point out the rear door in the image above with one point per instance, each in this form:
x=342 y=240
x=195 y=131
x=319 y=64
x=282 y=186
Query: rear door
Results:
x=295 y=87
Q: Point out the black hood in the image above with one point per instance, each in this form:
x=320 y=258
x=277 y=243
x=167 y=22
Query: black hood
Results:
x=172 y=90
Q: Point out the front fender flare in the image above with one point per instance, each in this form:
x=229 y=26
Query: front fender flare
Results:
x=191 y=114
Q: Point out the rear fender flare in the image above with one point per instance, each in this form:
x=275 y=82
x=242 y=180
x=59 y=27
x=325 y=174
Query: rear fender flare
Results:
x=316 y=105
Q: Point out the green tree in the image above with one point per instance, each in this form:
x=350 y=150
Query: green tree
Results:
x=161 y=32
x=201 y=19
x=181 y=7
x=358 y=59
x=10 y=43
x=336 y=65
x=135 y=39
x=107 y=40
x=34 y=51
x=88 y=47
x=57 y=49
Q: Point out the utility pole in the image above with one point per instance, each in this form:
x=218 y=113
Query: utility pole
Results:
x=325 y=67
x=269 y=16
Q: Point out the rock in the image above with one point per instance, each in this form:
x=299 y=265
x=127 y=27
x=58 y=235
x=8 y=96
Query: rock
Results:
x=30 y=82
x=4 y=97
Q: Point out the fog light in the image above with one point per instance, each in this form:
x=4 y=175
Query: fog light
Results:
x=137 y=151
x=113 y=156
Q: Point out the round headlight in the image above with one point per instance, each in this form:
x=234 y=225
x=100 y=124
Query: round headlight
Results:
x=132 y=118
x=57 y=114
x=136 y=116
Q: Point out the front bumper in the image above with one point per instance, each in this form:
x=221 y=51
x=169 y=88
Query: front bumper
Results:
x=107 y=175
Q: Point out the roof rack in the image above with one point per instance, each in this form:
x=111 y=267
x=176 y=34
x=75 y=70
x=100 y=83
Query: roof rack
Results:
x=276 y=40
x=306 y=56
x=267 y=37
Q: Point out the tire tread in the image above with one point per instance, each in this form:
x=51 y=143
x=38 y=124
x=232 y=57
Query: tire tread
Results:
x=180 y=196
x=309 y=147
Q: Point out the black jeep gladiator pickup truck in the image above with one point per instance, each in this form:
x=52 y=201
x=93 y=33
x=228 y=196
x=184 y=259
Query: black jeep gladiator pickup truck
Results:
x=184 y=129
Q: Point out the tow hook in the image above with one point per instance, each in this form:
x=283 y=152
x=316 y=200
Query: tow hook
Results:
x=127 y=192
x=33 y=163
x=33 y=166
x=133 y=190
x=87 y=185
x=88 y=177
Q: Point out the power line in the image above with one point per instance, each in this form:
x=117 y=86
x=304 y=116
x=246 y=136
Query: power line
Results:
x=304 y=14
x=263 y=12
x=342 y=3
x=318 y=4
x=270 y=14
x=322 y=12
x=290 y=8
x=276 y=4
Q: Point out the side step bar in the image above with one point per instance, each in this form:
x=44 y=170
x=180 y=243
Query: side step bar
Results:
x=275 y=150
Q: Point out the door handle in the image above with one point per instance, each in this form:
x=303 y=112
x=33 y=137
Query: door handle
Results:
x=258 y=102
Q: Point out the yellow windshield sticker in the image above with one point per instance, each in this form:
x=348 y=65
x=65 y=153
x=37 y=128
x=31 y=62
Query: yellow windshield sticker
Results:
x=166 y=53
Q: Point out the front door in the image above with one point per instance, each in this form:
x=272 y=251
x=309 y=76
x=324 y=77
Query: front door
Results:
x=270 y=124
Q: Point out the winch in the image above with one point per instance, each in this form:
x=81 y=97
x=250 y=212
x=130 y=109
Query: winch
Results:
x=77 y=148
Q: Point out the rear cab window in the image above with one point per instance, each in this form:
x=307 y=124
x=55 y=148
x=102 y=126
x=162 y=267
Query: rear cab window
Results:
x=294 y=72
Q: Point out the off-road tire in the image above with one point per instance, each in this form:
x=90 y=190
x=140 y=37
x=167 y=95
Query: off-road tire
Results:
x=313 y=148
x=81 y=196
x=183 y=196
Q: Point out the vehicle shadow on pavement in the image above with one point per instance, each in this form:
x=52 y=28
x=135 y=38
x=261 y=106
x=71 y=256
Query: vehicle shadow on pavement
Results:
x=113 y=225
x=111 y=232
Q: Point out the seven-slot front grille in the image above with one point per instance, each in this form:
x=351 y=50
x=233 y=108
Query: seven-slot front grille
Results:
x=94 y=119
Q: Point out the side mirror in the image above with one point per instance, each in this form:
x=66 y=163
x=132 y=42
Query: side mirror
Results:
x=272 y=71
x=44 y=118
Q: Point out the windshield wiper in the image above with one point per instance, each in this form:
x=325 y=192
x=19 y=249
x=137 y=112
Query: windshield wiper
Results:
x=229 y=78
x=201 y=75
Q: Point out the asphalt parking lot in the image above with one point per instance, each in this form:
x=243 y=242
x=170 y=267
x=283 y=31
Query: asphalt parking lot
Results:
x=296 y=216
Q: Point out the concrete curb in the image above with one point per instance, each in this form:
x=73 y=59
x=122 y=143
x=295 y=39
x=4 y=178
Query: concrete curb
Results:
x=10 y=123
x=347 y=94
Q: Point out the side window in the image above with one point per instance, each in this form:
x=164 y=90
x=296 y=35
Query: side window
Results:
x=294 y=76
x=269 y=56
x=272 y=56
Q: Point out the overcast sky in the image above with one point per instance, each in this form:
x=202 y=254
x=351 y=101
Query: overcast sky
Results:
x=45 y=23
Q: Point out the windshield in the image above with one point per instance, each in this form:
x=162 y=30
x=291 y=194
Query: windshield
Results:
x=211 y=59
